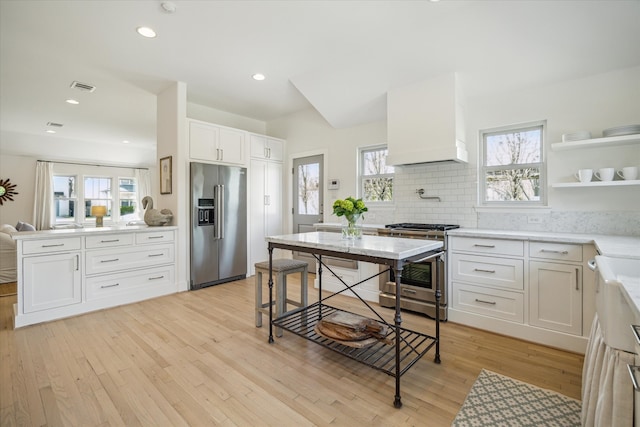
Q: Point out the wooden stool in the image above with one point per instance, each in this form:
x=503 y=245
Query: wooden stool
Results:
x=281 y=269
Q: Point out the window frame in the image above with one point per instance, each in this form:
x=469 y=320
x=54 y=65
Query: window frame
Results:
x=483 y=169
x=67 y=220
x=361 y=177
x=80 y=199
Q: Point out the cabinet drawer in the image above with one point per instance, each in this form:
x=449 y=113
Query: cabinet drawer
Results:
x=487 y=246
x=110 y=240
x=497 y=272
x=556 y=251
x=490 y=302
x=332 y=283
x=154 y=237
x=51 y=245
x=111 y=260
x=128 y=282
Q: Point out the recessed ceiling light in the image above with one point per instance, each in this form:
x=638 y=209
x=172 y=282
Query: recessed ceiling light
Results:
x=258 y=77
x=50 y=131
x=125 y=142
x=146 y=32
x=72 y=101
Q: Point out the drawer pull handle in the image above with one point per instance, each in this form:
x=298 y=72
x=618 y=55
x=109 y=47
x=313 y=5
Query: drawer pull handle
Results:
x=552 y=251
x=109 y=286
x=53 y=246
x=153 y=255
x=484 y=246
x=408 y=291
x=577 y=279
x=634 y=381
x=110 y=260
x=486 y=302
x=110 y=241
x=156 y=278
x=484 y=271
x=155 y=237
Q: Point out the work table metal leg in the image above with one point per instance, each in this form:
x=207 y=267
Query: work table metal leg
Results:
x=270 y=294
x=397 y=402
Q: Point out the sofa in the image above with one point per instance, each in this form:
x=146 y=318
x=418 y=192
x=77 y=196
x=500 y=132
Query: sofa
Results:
x=8 y=258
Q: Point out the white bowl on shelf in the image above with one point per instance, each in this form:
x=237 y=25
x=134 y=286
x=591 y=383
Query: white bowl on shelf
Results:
x=576 y=136
x=621 y=131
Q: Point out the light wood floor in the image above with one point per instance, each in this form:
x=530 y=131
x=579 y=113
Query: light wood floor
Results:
x=196 y=358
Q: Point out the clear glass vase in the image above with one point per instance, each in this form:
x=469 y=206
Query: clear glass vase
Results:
x=353 y=229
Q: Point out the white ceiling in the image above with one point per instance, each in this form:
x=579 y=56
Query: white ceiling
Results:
x=341 y=57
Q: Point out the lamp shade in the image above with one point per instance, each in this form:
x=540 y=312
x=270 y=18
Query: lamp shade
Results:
x=98 y=211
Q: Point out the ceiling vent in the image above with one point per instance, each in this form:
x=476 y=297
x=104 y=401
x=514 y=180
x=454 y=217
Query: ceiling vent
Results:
x=83 y=86
x=54 y=124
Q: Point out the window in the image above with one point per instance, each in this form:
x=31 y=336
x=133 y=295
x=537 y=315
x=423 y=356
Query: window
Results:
x=376 y=178
x=64 y=198
x=127 y=189
x=76 y=193
x=512 y=170
x=97 y=192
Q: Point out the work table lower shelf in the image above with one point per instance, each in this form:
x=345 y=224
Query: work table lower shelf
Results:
x=379 y=355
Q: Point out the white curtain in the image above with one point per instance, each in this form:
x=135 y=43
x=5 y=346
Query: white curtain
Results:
x=143 y=178
x=43 y=203
x=607 y=392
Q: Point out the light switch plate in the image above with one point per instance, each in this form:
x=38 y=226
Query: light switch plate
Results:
x=334 y=184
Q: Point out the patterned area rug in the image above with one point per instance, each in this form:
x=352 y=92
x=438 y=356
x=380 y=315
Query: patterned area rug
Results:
x=496 y=400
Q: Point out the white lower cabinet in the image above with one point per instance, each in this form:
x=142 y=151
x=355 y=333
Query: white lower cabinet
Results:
x=114 y=285
x=489 y=302
x=555 y=286
x=528 y=289
x=64 y=276
x=555 y=296
x=52 y=281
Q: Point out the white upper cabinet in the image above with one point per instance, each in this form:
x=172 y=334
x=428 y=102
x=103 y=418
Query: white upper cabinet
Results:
x=216 y=143
x=425 y=122
x=264 y=147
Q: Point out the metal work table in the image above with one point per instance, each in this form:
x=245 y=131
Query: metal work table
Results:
x=409 y=346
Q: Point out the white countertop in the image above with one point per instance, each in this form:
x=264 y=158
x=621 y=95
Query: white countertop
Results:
x=374 y=246
x=69 y=232
x=613 y=246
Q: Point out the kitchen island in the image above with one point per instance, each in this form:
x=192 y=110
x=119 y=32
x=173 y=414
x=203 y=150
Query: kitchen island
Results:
x=408 y=346
x=67 y=272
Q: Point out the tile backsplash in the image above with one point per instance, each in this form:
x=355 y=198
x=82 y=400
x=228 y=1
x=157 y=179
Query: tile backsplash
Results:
x=612 y=223
x=456 y=186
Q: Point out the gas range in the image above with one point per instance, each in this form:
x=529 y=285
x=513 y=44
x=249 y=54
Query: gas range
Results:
x=421 y=227
x=416 y=230
x=419 y=280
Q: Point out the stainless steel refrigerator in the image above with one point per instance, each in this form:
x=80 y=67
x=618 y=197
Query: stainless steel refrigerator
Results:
x=218 y=224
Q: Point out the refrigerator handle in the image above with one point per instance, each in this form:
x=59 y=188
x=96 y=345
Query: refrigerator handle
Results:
x=219 y=203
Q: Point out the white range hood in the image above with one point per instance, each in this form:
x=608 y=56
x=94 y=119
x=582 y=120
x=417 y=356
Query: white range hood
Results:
x=425 y=122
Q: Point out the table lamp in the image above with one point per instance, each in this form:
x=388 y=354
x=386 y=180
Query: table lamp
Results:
x=98 y=212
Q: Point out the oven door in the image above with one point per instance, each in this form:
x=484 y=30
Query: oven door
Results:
x=417 y=282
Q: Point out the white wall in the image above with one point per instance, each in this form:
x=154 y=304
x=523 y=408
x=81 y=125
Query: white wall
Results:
x=211 y=115
x=52 y=147
x=22 y=171
x=591 y=103
x=307 y=132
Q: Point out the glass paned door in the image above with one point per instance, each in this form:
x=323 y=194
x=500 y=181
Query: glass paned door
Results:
x=308 y=196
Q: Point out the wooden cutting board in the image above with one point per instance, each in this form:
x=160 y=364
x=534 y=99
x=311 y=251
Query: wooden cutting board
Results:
x=351 y=329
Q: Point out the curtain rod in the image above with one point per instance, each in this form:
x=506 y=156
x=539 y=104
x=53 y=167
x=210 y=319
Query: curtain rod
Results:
x=89 y=164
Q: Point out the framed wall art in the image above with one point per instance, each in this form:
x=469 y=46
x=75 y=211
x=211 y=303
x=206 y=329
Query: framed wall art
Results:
x=165 y=175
